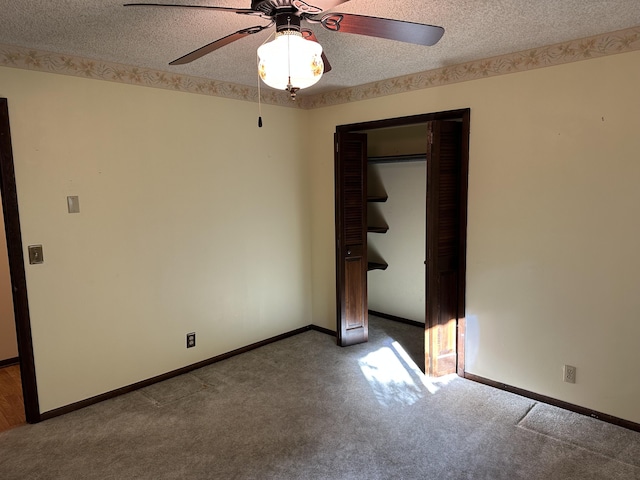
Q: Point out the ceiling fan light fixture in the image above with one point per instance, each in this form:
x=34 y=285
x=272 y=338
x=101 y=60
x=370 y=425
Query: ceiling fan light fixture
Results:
x=290 y=62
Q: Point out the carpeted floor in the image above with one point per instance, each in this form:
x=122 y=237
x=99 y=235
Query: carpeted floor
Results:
x=303 y=408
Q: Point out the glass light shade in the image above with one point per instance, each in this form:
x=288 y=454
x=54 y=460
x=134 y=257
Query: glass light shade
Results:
x=290 y=60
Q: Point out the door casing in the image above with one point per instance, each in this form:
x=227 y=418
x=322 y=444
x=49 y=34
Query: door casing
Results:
x=16 y=266
x=463 y=116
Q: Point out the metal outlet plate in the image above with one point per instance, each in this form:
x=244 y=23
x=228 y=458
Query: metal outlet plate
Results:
x=35 y=254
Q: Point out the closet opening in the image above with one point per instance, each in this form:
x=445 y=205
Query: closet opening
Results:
x=396 y=227
x=401 y=207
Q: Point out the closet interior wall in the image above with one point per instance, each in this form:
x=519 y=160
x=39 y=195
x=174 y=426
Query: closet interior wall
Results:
x=396 y=279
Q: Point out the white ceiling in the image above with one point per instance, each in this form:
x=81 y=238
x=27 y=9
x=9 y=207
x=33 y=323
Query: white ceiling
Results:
x=152 y=37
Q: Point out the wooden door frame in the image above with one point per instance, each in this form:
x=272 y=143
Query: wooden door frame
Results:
x=464 y=116
x=9 y=196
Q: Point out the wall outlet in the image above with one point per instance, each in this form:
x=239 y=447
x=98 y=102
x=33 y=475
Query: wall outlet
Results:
x=569 y=374
x=191 y=339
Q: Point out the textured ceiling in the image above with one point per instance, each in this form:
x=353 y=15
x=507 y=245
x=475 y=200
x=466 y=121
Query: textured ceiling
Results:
x=152 y=37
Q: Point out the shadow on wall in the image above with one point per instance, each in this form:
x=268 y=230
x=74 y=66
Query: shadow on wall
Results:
x=375 y=186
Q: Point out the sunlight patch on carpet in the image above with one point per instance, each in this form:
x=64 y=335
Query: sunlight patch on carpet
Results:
x=395 y=378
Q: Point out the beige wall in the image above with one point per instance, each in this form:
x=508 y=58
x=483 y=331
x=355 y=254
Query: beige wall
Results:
x=191 y=219
x=8 y=345
x=552 y=231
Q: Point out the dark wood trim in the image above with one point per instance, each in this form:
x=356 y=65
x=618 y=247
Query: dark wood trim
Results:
x=322 y=330
x=462 y=246
x=16 y=267
x=386 y=316
x=9 y=361
x=404 y=121
x=174 y=373
x=556 y=403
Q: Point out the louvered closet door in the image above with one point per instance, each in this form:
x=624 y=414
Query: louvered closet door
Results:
x=443 y=254
x=351 y=238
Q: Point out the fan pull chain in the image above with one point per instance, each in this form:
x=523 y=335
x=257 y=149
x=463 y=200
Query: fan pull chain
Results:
x=259 y=104
x=259 y=90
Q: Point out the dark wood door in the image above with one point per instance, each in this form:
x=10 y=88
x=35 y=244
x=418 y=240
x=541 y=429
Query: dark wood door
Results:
x=444 y=183
x=9 y=196
x=351 y=237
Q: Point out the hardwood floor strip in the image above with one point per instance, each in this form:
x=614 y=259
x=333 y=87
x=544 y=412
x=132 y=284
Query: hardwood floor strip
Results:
x=6 y=381
x=4 y=423
x=11 y=400
x=15 y=374
x=8 y=404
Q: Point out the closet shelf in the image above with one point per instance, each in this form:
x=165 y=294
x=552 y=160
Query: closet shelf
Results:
x=416 y=157
x=376 y=266
x=377 y=229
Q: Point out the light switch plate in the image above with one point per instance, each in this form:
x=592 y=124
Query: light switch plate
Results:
x=35 y=254
x=73 y=204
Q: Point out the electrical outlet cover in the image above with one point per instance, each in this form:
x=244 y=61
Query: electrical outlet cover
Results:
x=569 y=374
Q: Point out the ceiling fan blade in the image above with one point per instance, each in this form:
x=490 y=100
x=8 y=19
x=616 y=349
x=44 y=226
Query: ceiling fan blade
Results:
x=309 y=35
x=221 y=42
x=316 y=5
x=410 y=32
x=244 y=11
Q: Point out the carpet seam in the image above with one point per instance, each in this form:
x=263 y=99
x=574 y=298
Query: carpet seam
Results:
x=526 y=413
x=158 y=404
x=580 y=447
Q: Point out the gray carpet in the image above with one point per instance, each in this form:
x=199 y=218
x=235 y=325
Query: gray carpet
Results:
x=303 y=408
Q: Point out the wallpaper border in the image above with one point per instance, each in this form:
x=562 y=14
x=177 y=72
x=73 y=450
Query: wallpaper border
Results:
x=621 y=41
x=50 y=62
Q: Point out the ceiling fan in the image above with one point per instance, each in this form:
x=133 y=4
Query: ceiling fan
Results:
x=287 y=16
